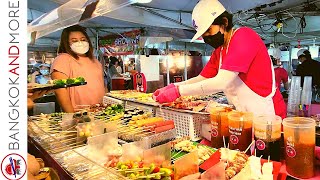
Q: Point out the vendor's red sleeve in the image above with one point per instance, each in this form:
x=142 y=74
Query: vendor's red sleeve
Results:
x=211 y=68
x=242 y=50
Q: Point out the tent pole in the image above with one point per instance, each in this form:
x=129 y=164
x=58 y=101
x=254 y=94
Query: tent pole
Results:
x=167 y=62
x=185 y=62
x=97 y=43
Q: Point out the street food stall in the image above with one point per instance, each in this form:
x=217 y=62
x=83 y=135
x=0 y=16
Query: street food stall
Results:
x=131 y=135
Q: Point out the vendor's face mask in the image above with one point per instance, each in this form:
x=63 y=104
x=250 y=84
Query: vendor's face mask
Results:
x=215 y=41
x=80 y=47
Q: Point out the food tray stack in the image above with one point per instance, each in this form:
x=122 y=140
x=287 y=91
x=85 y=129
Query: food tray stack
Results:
x=111 y=100
x=144 y=107
x=186 y=124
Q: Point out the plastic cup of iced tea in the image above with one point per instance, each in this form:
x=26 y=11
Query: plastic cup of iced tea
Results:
x=299 y=141
x=267 y=136
x=219 y=126
x=240 y=129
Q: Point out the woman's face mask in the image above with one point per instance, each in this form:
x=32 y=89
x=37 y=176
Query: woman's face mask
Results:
x=215 y=40
x=80 y=47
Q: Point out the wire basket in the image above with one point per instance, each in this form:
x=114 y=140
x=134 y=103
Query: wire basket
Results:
x=111 y=100
x=186 y=124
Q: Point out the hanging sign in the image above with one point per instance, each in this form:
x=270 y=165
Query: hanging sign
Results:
x=122 y=44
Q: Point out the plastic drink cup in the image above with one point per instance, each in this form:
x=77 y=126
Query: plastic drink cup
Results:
x=267 y=136
x=240 y=130
x=219 y=126
x=299 y=141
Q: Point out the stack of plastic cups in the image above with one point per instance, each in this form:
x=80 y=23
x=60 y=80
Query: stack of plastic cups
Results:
x=306 y=96
x=294 y=96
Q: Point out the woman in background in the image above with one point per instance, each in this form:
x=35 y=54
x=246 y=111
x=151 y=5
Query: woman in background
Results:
x=113 y=70
x=76 y=59
x=107 y=77
x=42 y=76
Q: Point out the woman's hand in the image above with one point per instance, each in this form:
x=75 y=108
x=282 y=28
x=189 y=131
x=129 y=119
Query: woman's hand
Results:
x=37 y=94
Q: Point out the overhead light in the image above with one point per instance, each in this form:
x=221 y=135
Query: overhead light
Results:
x=144 y=1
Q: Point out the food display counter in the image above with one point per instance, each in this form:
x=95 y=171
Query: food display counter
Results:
x=130 y=136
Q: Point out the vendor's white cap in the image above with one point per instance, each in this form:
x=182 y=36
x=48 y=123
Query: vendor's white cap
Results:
x=203 y=15
x=300 y=52
x=275 y=52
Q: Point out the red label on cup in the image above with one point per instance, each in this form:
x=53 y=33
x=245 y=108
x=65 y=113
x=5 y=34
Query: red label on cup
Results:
x=260 y=145
x=234 y=139
x=291 y=152
x=214 y=132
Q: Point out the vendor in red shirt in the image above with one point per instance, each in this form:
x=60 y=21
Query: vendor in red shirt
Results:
x=239 y=66
x=281 y=74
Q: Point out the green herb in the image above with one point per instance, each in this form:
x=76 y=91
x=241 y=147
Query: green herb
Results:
x=59 y=82
x=70 y=81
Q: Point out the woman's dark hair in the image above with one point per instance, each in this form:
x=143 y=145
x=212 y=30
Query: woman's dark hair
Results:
x=113 y=60
x=64 y=46
x=221 y=21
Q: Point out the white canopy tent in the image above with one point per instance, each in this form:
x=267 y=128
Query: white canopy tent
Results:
x=117 y=16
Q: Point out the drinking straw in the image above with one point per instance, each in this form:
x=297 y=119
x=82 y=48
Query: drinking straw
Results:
x=241 y=122
x=269 y=130
x=296 y=129
x=219 y=121
x=224 y=142
x=249 y=146
x=228 y=154
x=268 y=158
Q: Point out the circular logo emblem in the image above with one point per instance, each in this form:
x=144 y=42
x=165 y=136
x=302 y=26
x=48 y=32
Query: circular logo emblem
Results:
x=214 y=132
x=291 y=152
x=13 y=166
x=260 y=145
x=234 y=139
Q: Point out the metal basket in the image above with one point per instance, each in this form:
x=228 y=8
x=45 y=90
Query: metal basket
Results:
x=186 y=124
x=111 y=100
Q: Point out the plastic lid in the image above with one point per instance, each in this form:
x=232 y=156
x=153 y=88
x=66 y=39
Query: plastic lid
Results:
x=267 y=120
x=299 y=122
